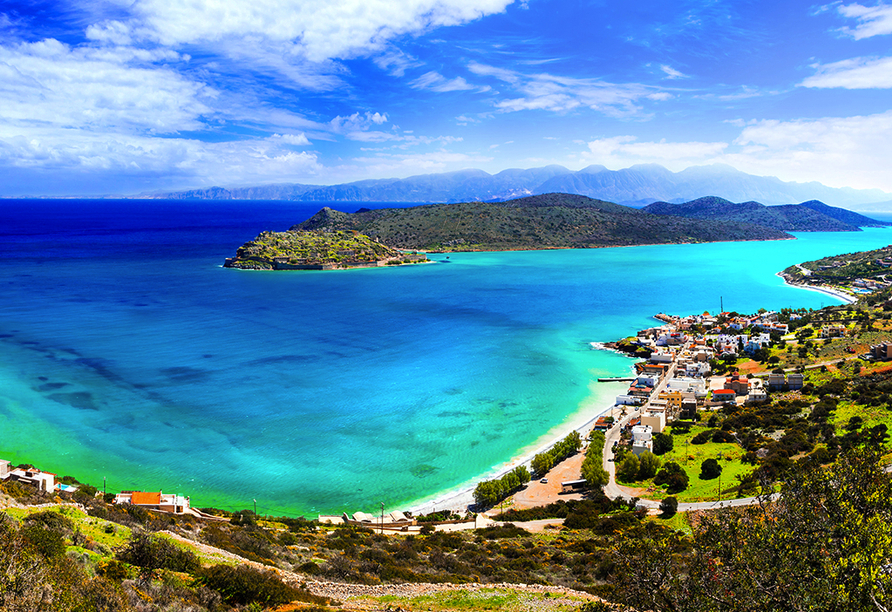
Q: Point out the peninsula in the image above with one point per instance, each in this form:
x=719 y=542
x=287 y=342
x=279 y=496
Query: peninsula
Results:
x=317 y=250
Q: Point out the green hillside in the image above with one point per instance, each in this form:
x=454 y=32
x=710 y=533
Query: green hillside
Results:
x=536 y=222
x=322 y=249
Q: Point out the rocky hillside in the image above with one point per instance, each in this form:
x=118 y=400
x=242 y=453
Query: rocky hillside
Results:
x=324 y=249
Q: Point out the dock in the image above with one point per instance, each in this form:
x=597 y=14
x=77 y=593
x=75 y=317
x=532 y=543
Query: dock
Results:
x=617 y=379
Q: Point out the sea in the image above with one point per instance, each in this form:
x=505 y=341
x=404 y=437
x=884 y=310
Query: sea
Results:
x=132 y=360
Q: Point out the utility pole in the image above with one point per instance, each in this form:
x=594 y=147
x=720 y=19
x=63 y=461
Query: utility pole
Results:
x=255 y=507
x=382 y=518
x=720 y=486
x=104 y=492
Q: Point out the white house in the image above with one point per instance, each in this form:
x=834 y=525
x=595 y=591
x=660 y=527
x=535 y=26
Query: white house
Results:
x=162 y=502
x=43 y=481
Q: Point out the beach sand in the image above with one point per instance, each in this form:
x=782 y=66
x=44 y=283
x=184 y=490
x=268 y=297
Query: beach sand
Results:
x=845 y=297
x=458 y=499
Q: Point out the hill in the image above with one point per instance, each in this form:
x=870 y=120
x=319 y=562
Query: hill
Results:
x=316 y=250
x=812 y=216
x=536 y=222
x=637 y=185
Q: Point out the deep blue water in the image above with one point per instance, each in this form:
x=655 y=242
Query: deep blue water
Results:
x=126 y=351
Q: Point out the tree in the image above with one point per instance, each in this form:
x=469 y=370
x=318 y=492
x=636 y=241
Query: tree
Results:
x=673 y=476
x=668 y=507
x=628 y=469
x=710 y=469
x=823 y=545
x=648 y=464
x=662 y=443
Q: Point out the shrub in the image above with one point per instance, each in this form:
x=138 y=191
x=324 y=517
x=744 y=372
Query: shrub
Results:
x=628 y=469
x=668 y=507
x=152 y=553
x=243 y=585
x=648 y=464
x=703 y=437
x=662 y=443
x=710 y=469
x=673 y=476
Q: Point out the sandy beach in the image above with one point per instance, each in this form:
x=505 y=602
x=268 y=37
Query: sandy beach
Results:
x=845 y=297
x=458 y=499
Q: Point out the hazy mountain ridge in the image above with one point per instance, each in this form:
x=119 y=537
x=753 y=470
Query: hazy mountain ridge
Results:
x=637 y=185
x=811 y=216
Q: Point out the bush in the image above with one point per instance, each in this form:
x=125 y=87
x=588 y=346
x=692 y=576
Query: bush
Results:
x=662 y=443
x=243 y=585
x=673 y=476
x=710 y=469
x=703 y=437
x=668 y=507
x=153 y=553
x=648 y=464
x=628 y=469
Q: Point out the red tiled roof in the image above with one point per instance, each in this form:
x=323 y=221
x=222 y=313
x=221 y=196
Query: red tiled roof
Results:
x=142 y=498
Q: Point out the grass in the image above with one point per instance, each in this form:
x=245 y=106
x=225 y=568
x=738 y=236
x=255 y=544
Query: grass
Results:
x=506 y=600
x=690 y=458
x=678 y=522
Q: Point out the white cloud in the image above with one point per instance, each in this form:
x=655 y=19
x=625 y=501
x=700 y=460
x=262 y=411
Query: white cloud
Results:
x=50 y=83
x=435 y=81
x=74 y=153
x=299 y=140
x=625 y=151
x=857 y=73
x=561 y=94
x=672 y=73
x=840 y=151
x=873 y=20
x=837 y=151
x=321 y=29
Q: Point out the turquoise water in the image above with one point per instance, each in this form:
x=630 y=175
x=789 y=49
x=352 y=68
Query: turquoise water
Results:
x=127 y=352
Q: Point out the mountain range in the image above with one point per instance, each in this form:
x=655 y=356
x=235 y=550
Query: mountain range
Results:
x=635 y=186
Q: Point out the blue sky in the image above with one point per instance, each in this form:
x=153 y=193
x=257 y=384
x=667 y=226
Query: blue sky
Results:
x=127 y=96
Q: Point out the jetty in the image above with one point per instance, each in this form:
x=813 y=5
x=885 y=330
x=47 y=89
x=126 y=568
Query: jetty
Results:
x=617 y=379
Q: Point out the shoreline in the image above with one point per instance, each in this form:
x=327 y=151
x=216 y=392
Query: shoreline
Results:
x=459 y=498
x=845 y=297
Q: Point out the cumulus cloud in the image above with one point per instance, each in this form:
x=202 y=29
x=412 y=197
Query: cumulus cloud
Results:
x=857 y=73
x=543 y=91
x=872 y=20
x=320 y=28
x=49 y=82
x=299 y=140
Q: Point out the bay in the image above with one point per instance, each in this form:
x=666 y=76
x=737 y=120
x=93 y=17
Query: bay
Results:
x=128 y=352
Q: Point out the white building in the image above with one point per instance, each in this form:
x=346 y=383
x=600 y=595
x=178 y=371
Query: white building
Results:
x=162 y=502
x=642 y=439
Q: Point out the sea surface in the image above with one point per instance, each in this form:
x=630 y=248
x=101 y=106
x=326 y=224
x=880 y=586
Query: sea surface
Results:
x=128 y=353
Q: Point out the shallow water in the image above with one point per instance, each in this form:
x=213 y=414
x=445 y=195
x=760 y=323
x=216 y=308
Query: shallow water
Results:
x=126 y=351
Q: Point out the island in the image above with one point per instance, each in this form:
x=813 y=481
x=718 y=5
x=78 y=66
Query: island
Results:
x=323 y=249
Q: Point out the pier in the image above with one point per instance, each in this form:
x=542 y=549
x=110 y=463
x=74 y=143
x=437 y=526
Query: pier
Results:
x=617 y=379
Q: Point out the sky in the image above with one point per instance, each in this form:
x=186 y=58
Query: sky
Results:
x=130 y=96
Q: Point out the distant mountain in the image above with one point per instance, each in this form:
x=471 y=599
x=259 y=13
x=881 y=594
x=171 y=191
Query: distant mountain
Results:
x=637 y=185
x=812 y=216
x=846 y=216
x=535 y=222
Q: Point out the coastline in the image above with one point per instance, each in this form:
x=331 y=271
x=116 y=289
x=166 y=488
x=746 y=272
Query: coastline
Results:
x=459 y=498
x=844 y=297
